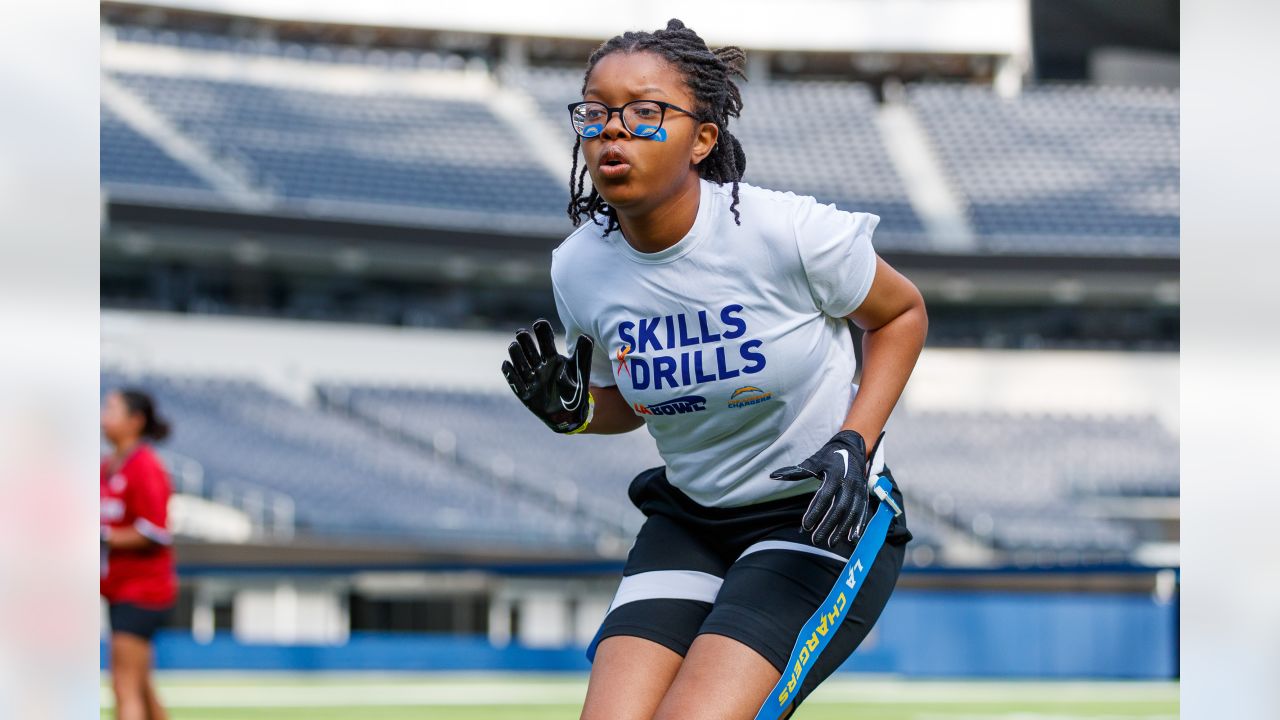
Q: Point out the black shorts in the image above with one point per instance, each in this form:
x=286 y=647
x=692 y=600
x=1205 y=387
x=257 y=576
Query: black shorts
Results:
x=748 y=573
x=137 y=620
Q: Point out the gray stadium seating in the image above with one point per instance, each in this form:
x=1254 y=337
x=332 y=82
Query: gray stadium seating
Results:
x=128 y=158
x=421 y=464
x=400 y=150
x=598 y=467
x=1019 y=481
x=595 y=467
x=1058 y=169
x=821 y=139
x=1034 y=468
x=1061 y=169
x=345 y=478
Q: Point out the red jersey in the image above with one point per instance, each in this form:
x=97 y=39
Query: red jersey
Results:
x=136 y=495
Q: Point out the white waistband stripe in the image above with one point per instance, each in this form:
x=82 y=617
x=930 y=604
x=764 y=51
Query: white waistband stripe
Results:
x=797 y=547
x=670 y=584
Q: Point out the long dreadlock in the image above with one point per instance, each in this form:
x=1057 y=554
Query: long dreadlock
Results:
x=709 y=75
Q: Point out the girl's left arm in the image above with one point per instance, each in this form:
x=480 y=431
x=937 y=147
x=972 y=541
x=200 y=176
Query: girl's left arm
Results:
x=895 y=324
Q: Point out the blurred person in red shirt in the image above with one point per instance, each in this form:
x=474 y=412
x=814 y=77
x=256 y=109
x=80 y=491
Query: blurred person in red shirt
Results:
x=138 y=578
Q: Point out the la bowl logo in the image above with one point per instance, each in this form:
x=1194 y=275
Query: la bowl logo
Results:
x=748 y=395
x=678 y=406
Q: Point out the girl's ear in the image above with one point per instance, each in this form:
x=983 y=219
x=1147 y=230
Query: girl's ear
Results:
x=704 y=141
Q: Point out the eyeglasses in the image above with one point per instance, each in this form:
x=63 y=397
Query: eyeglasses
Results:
x=641 y=118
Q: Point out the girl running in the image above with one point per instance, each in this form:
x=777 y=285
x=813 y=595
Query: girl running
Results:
x=137 y=574
x=713 y=312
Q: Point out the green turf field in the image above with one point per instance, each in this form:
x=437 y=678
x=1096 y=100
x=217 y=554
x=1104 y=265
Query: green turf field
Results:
x=329 y=696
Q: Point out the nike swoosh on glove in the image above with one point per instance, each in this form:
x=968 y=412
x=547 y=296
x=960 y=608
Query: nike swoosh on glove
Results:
x=840 y=507
x=552 y=386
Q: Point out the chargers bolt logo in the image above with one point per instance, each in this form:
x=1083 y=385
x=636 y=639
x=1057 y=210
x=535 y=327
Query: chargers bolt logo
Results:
x=748 y=395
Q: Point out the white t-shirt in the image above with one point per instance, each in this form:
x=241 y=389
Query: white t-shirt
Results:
x=730 y=343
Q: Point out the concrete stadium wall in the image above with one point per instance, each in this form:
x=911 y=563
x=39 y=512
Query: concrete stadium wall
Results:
x=921 y=634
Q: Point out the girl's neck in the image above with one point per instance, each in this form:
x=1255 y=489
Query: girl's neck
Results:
x=658 y=228
x=124 y=448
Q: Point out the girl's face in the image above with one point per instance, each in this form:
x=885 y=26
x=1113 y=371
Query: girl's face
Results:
x=118 y=424
x=638 y=174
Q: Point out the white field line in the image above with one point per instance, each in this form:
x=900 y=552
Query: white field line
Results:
x=423 y=694
x=1040 y=716
x=438 y=691
x=981 y=691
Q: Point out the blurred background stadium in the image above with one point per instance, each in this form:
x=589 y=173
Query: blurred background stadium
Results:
x=321 y=224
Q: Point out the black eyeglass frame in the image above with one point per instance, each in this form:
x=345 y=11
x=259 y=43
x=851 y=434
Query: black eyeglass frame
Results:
x=619 y=110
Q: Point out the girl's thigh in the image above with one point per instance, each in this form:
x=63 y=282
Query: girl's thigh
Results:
x=629 y=677
x=769 y=595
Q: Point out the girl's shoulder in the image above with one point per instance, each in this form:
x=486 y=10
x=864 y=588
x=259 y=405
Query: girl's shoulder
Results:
x=144 y=459
x=765 y=195
x=580 y=247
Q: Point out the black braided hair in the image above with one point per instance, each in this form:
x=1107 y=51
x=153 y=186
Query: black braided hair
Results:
x=709 y=75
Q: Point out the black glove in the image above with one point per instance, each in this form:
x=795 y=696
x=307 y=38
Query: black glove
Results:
x=552 y=386
x=840 y=507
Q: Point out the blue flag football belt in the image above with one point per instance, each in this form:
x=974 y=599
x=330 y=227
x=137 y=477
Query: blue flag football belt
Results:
x=824 y=622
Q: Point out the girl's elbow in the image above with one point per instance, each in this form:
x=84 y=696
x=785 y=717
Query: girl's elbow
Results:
x=922 y=312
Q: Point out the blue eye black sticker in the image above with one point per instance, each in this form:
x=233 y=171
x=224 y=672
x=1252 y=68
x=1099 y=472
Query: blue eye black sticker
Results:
x=592 y=130
x=660 y=136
